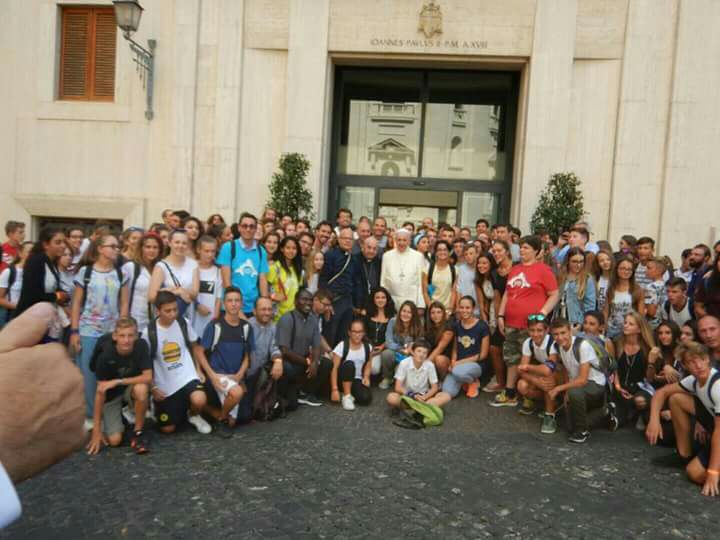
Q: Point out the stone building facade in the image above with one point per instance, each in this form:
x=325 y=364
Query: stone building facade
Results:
x=622 y=92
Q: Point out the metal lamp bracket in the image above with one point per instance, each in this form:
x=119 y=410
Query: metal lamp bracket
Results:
x=145 y=66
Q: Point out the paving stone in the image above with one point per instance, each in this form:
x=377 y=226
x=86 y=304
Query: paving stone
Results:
x=327 y=473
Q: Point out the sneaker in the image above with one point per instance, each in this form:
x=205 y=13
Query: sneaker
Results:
x=309 y=400
x=528 y=407
x=139 y=442
x=549 y=424
x=200 y=424
x=385 y=384
x=223 y=430
x=579 y=437
x=492 y=388
x=473 y=389
x=613 y=422
x=348 y=402
x=88 y=424
x=671 y=461
x=128 y=415
x=502 y=400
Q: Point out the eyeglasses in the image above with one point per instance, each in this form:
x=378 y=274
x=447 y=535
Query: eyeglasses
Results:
x=327 y=304
x=577 y=261
x=248 y=226
x=536 y=317
x=111 y=246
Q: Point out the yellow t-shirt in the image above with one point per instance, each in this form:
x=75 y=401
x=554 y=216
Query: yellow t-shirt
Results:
x=283 y=282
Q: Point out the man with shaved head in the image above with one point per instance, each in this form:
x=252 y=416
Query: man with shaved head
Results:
x=367 y=277
x=709 y=333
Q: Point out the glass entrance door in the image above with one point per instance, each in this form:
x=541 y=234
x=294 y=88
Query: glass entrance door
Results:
x=399 y=206
x=413 y=141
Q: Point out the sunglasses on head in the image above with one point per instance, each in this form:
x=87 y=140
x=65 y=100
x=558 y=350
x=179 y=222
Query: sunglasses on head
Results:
x=536 y=317
x=135 y=229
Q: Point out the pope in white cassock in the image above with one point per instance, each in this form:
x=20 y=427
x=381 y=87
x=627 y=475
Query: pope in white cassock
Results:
x=402 y=270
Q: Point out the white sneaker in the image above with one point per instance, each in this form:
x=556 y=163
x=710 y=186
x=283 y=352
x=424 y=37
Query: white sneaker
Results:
x=384 y=384
x=89 y=424
x=200 y=424
x=128 y=415
x=348 y=402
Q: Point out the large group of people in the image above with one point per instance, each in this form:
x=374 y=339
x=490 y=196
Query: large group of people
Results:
x=216 y=324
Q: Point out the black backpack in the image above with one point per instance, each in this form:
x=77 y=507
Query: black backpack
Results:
x=12 y=277
x=153 y=338
x=431 y=271
x=87 y=276
x=267 y=404
x=548 y=348
x=346 y=351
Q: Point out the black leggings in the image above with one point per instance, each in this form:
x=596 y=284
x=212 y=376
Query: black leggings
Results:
x=361 y=393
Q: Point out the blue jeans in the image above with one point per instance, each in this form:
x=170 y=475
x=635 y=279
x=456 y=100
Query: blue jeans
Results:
x=87 y=347
x=459 y=375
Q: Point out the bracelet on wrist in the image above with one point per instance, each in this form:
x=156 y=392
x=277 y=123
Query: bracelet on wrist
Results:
x=74 y=332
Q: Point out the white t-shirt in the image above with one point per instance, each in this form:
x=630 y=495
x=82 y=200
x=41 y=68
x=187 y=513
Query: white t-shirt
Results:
x=414 y=379
x=173 y=365
x=13 y=294
x=183 y=274
x=356 y=356
x=602 y=288
x=709 y=395
x=587 y=356
x=678 y=317
x=139 y=307
x=541 y=351
x=210 y=290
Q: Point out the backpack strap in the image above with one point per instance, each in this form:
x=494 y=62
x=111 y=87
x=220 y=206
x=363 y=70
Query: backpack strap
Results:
x=174 y=279
x=346 y=351
x=714 y=379
x=431 y=271
x=453 y=275
x=182 y=322
x=292 y=331
x=152 y=336
x=87 y=275
x=549 y=345
x=533 y=358
x=217 y=331
x=366 y=348
x=576 y=348
x=348 y=256
x=233 y=250
x=136 y=274
x=666 y=307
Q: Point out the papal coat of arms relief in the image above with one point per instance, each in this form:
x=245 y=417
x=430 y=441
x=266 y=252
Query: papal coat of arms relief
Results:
x=430 y=20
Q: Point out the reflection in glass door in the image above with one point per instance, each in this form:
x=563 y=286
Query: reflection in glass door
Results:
x=399 y=206
x=411 y=141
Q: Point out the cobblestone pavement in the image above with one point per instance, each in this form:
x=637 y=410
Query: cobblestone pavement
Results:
x=327 y=473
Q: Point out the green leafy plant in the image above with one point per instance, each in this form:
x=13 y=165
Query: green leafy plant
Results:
x=288 y=190
x=560 y=205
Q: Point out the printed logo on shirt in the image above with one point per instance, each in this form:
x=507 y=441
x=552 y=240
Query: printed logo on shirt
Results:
x=171 y=352
x=467 y=341
x=207 y=287
x=247 y=269
x=519 y=282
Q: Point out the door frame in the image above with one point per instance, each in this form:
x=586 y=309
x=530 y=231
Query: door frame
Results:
x=503 y=188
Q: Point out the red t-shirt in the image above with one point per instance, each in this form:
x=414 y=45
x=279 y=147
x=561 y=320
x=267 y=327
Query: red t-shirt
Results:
x=9 y=254
x=528 y=287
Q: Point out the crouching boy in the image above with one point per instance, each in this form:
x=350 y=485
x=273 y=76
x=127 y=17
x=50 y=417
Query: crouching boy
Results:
x=584 y=383
x=123 y=369
x=537 y=371
x=696 y=395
